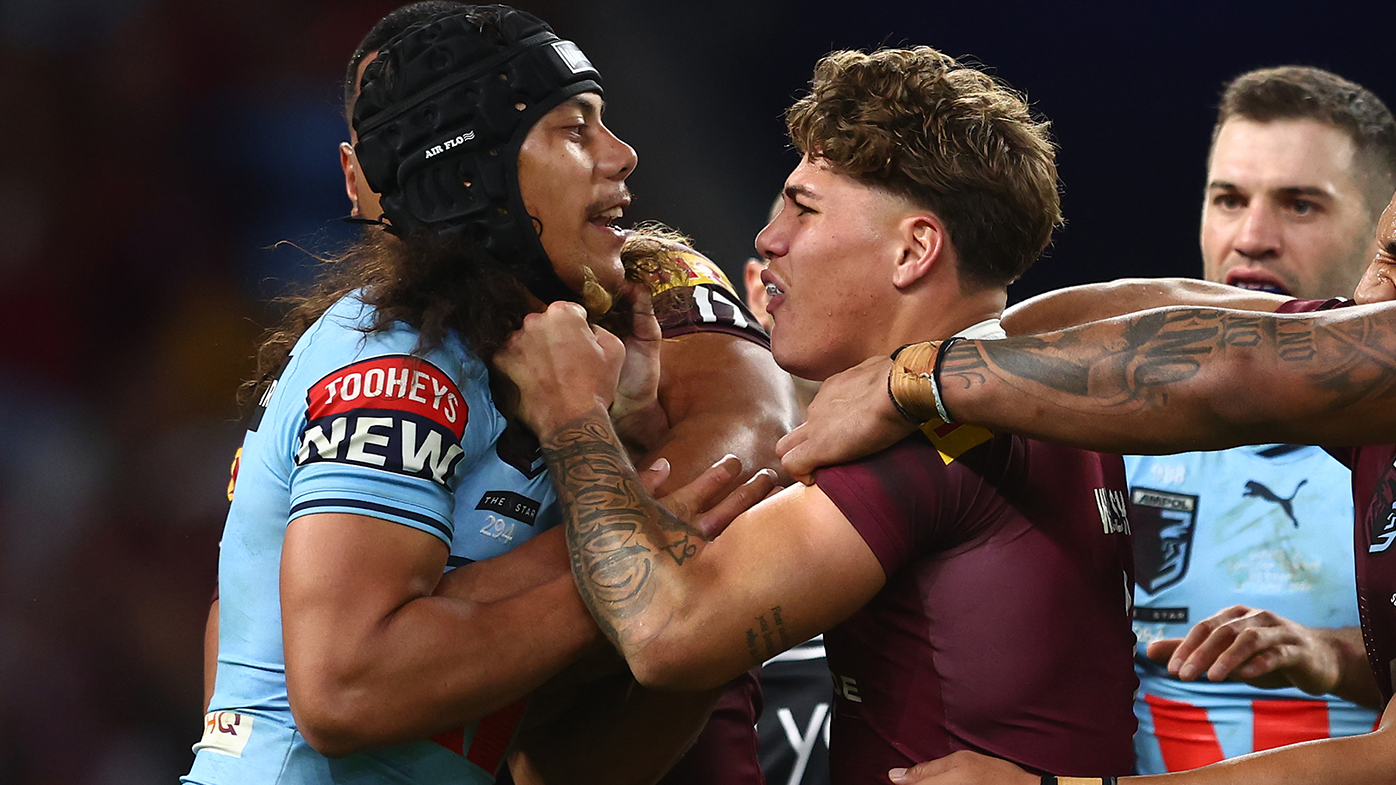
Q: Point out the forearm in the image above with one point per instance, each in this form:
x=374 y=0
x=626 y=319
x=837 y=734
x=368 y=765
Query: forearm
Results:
x=626 y=549
x=1075 y=305
x=1184 y=379
x=436 y=664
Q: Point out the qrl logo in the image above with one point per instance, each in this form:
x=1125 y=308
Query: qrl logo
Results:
x=398 y=413
x=226 y=732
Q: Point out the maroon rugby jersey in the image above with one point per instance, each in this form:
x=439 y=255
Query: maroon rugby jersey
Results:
x=1004 y=626
x=1374 y=534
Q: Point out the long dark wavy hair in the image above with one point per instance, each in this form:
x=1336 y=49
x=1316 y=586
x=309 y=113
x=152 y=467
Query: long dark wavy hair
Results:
x=437 y=287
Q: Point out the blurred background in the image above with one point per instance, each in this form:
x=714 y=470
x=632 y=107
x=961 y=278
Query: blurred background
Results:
x=153 y=153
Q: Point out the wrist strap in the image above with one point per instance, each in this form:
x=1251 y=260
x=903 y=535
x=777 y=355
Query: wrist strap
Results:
x=935 y=377
x=1052 y=779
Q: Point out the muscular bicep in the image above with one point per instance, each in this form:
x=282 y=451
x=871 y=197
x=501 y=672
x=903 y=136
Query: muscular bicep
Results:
x=786 y=570
x=722 y=394
x=343 y=576
x=1074 y=305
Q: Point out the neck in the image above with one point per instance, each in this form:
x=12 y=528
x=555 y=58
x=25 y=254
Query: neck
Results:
x=935 y=318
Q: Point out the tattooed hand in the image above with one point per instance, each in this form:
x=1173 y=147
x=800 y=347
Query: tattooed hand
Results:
x=562 y=366
x=852 y=416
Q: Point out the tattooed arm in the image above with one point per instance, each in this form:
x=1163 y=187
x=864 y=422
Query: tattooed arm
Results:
x=1179 y=379
x=852 y=415
x=686 y=612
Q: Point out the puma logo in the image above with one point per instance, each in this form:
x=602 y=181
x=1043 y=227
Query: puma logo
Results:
x=1254 y=488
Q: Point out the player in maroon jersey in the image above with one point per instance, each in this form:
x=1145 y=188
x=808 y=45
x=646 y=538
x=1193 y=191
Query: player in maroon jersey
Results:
x=974 y=586
x=1188 y=378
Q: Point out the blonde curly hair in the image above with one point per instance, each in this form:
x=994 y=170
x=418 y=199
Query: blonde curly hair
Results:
x=950 y=138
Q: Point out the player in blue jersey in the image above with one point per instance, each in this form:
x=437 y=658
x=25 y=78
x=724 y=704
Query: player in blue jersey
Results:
x=1301 y=165
x=381 y=455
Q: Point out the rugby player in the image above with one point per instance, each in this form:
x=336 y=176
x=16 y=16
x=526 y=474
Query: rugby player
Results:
x=1176 y=378
x=974 y=586
x=1302 y=163
x=380 y=457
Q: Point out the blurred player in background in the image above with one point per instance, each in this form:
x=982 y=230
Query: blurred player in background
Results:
x=1302 y=163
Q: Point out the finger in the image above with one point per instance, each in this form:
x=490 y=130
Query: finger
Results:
x=712 y=522
x=1162 y=651
x=707 y=487
x=655 y=475
x=612 y=348
x=567 y=308
x=794 y=450
x=1250 y=643
x=1198 y=635
x=923 y=770
x=1205 y=655
x=791 y=440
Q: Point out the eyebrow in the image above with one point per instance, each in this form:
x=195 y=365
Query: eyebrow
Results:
x=589 y=108
x=792 y=191
x=1291 y=191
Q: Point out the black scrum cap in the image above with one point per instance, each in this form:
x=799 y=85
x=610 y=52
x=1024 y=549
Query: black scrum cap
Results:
x=440 y=117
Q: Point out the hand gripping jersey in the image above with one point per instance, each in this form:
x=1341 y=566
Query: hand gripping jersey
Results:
x=1250 y=526
x=358 y=423
x=1004 y=625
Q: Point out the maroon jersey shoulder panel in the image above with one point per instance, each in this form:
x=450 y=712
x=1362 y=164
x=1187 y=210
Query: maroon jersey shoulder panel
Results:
x=707 y=307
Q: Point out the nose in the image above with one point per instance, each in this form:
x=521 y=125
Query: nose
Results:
x=1259 y=237
x=770 y=241
x=619 y=159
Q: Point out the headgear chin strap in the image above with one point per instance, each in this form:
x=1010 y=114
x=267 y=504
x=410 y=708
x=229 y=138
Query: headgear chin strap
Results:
x=441 y=115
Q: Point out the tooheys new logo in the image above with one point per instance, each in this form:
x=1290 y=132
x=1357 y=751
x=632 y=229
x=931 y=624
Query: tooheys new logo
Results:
x=397 y=413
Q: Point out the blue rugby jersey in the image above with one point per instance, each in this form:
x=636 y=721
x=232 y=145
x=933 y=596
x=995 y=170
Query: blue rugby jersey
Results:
x=1264 y=526
x=357 y=423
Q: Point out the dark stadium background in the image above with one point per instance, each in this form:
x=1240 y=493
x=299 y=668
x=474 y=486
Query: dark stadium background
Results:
x=153 y=151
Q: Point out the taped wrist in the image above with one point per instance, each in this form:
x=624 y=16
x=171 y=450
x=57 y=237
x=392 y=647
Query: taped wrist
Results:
x=1052 y=779
x=911 y=381
x=914 y=381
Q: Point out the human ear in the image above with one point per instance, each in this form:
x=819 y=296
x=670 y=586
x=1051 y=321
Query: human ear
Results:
x=923 y=239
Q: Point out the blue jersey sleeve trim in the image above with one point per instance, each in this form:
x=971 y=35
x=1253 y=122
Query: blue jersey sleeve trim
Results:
x=384 y=509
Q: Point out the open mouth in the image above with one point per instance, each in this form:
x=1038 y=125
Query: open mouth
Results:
x=772 y=288
x=606 y=219
x=1255 y=281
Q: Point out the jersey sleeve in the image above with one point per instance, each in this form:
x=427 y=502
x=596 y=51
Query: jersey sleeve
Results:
x=704 y=302
x=903 y=501
x=377 y=430
x=1309 y=306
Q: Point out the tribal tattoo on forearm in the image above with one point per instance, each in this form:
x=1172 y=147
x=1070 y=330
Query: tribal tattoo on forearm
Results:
x=1131 y=364
x=615 y=531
